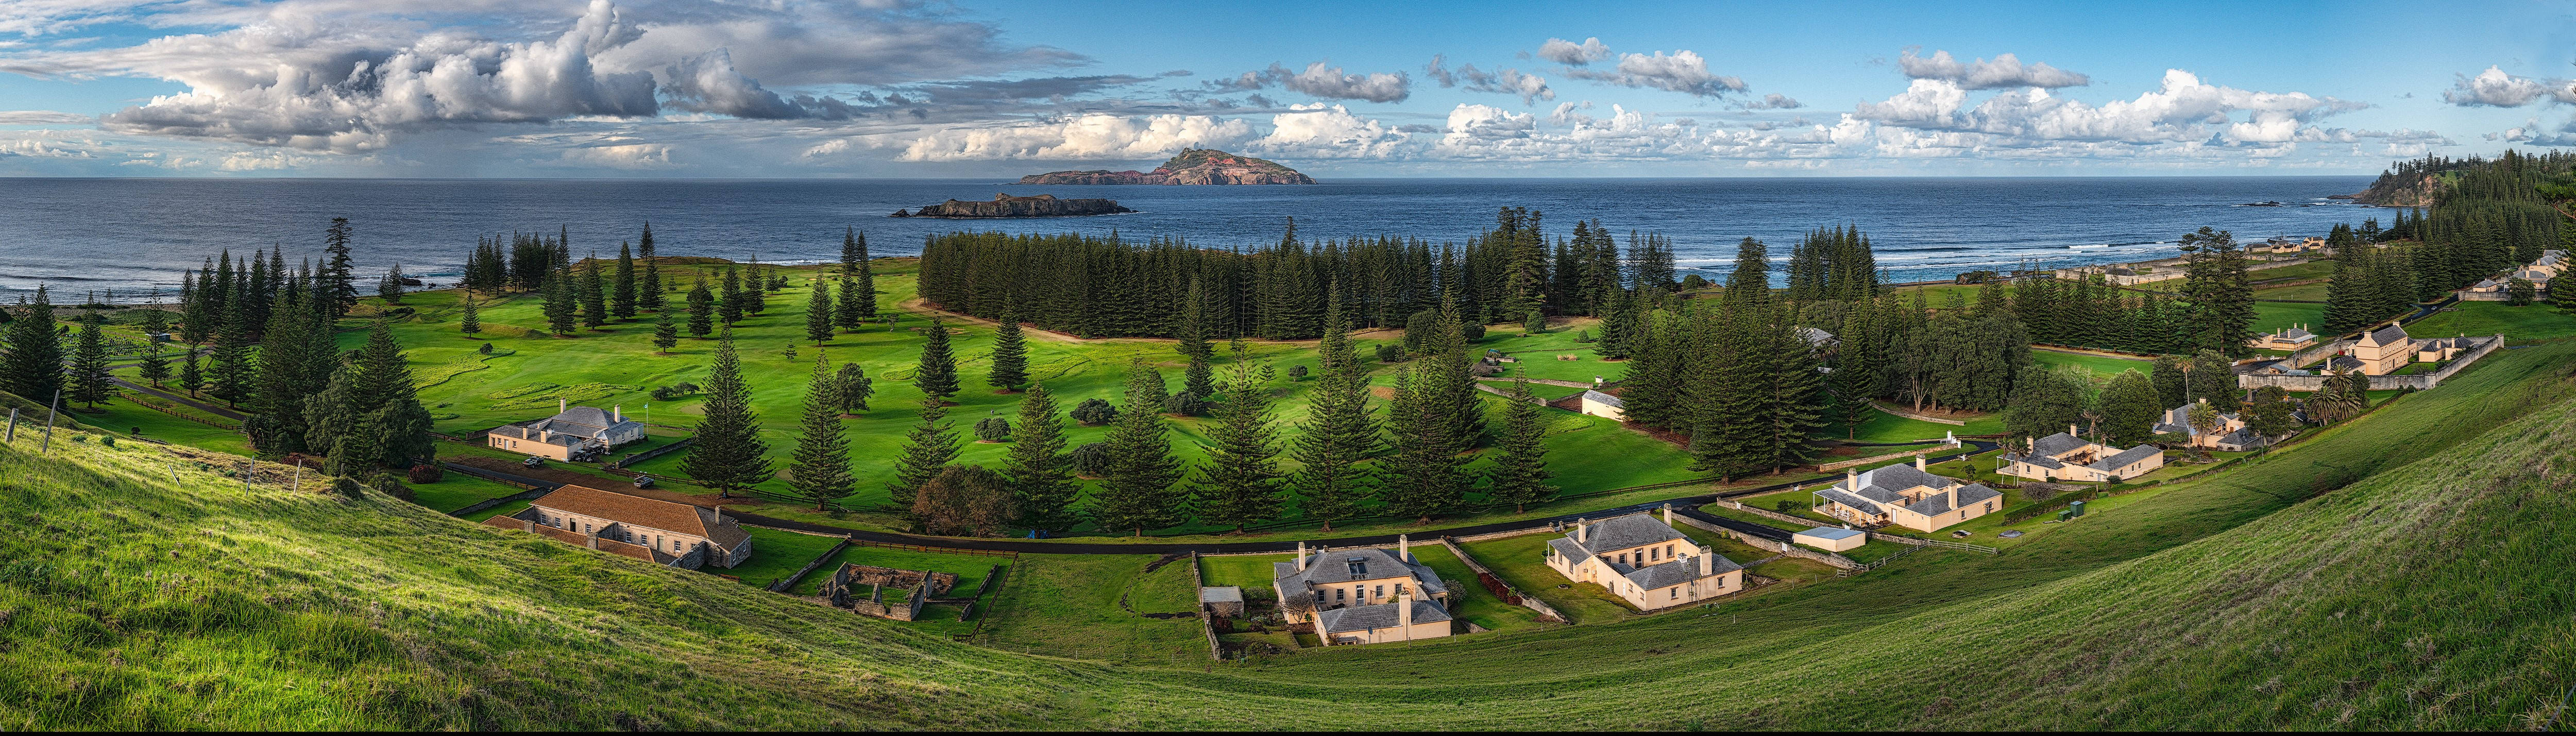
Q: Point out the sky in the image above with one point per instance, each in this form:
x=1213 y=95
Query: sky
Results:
x=904 y=89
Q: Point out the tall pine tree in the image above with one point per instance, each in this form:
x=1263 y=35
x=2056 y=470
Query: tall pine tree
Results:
x=90 y=382
x=936 y=374
x=1041 y=473
x=1333 y=447
x=1239 y=485
x=818 y=313
x=728 y=455
x=1137 y=491
x=1520 y=474
x=820 y=471
x=702 y=310
x=33 y=365
x=621 y=295
x=927 y=450
x=648 y=293
x=1010 y=354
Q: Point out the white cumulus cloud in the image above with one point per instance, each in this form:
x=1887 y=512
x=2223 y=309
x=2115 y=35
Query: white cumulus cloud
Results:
x=2494 y=88
x=1682 y=71
x=1115 y=137
x=1322 y=80
x=1570 y=53
x=2004 y=71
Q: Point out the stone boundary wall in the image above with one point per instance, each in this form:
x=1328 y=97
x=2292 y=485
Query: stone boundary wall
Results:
x=1838 y=465
x=1530 y=601
x=1783 y=548
x=1207 y=625
x=782 y=584
x=2419 y=381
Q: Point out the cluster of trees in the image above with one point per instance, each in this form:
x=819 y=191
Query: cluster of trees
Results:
x=2126 y=409
x=2491 y=215
x=1108 y=287
x=2370 y=285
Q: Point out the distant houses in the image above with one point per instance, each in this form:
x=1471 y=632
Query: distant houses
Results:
x=650 y=529
x=2293 y=338
x=1645 y=562
x=1906 y=495
x=2064 y=456
x=1363 y=595
x=573 y=433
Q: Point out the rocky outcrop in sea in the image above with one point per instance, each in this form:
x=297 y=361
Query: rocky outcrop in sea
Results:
x=1004 y=205
x=1192 y=166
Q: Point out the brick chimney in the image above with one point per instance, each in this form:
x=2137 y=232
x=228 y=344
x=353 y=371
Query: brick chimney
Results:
x=1301 y=556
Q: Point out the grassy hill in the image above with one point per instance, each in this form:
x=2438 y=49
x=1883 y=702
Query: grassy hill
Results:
x=2427 y=593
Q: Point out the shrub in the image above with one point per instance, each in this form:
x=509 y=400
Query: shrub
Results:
x=427 y=473
x=1185 y=404
x=1296 y=373
x=993 y=429
x=1419 y=326
x=1472 y=331
x=1582 y=335
x=1091 y=459
x=107 y=439
x=346 y=486
x=486 y=349
x=1095 y=412
x=1390 y=353
x=965 y=500
x=1787 y=506
x=392 y=485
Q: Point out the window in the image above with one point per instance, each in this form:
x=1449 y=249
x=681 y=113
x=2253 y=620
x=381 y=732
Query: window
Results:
x=1677 y=592
x=1337 y=595
x=1652 y=552
x=1381 y=592
x=1721 y=583
x=1399 y=589
x=1319 y=597
x=1359 y=568
x=1623 y=558
x=1990 y=507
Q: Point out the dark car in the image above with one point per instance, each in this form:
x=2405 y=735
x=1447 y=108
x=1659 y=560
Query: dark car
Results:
x=533 y=462
x=643 y=481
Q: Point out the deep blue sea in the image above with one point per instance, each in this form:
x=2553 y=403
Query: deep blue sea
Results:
x=128 y=235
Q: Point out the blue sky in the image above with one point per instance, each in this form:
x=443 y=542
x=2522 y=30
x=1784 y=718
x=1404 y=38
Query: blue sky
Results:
x=891 y=88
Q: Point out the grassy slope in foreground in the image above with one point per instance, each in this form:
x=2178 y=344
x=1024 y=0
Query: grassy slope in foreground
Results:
x=2427 y=597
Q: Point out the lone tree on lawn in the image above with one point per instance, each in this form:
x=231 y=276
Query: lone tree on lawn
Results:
x=665 y=333
x=90 y=382
x=1520 y=474
x=926 y=451
x=1137 y=493
x=818 y=313
x=729 y=304
x=594 y=296
x=648 y=295
x=1240 y=483
x=821 y=469
x=1041 y=473
x=728 y=455
x=1010 y=354
x=936 y=375
x=155 y=366
x=1340 y=434
x=966 y=501
x=702 y=310
x=471 y=322
x=621 y=294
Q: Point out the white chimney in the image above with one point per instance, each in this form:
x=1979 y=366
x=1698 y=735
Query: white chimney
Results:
x=559 y=406
x=1301 y=556
x=1918 y=461
x=2070 y=428
x=617 y=413
x=1578 y=531
x=1851 y=479
x=1404 y=612
x=1668 y=514
x=1706 y=567
x=1403 y=548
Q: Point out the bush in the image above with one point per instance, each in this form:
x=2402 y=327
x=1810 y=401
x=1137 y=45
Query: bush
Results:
x=1787 y=506
x=965 y=500
x=1095 y=412
x=486 y=349
x=392 y=485
x=1091 y=459
x=1296 y=373
x=993 y=429
x=346 y=486
x=427 y=473
x=1472 y=331
x=1583 y=336
x=1419 y=326
x=1185 y=404
x=107 y=439
x=1390 y=353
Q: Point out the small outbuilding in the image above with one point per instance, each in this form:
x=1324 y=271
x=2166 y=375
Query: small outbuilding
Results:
x=1604 y=405
x=1222 y=600
x=1831 y=539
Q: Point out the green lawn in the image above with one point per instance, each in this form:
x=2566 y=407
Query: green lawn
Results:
x=1473 y=603
x=2103 y=366
x=970 y=569
x=2535 y=322
x=2270 y=316
x=1520 y=562
x=1246 y=571
x=504 y=509
x=777 y=554
x=1068 y=606
x=2310 y=292
x=457 y=490
x=1884 y=427
x=124 y=416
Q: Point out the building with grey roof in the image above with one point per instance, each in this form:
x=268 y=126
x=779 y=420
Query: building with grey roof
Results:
x=573 y=433
x=1363 y=595
x=2230 y=434
x=1645 y=562
x=1604 y=405
x=2064 y=456
x=1905 y=495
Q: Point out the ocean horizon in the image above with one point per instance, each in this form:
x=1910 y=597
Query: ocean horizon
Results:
x=126 y=236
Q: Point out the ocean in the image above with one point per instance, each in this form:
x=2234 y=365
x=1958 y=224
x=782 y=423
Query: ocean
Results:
x=91 y=237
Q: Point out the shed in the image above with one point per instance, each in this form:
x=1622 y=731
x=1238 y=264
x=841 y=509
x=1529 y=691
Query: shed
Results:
x=1604 y=405
x=1222 y=600
x=1831 y=538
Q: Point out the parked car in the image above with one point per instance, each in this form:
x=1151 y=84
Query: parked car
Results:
x=643 y=481
x=533 y=462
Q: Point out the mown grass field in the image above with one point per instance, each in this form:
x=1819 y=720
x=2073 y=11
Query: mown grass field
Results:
x=2102 y=366
x=2402 y=570
x=2516 y=324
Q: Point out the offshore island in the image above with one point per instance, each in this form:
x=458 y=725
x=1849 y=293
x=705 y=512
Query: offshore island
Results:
x=1192 y=166
x=1004 y=205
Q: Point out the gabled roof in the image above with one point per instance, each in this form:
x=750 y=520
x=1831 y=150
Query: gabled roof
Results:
x=2039 y=460
x=1622 y=532
x=1602 y=398
x=1377 y=616
x=1838 y=495
x=2393 y=334
x=1328 y=567
x=2125 y=457
x=579 y=539
x=1977 y=493
x=653 y=513
x=1881 y=484
x=1931 y=505
x=1678 y=571
x=2056 y=443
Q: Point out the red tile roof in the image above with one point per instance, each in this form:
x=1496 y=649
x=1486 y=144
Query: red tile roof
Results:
x=653 y=513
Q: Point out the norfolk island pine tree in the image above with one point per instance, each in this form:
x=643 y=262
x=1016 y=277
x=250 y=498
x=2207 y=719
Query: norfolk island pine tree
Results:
x=728 y=454
x=820 y=471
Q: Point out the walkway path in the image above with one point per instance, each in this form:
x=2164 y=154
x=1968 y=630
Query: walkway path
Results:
x=1685 y=505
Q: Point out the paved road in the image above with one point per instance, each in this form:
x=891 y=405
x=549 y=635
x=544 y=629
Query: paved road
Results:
x=1686 y=505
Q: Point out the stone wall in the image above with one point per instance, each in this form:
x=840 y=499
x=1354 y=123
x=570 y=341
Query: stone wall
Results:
x=2418 y=381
